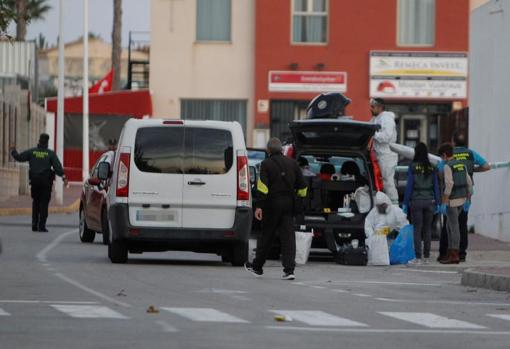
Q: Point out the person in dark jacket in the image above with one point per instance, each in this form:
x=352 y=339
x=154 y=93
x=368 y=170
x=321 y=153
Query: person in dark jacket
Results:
x=43 y=165
x=280 y=181
x=422 y=195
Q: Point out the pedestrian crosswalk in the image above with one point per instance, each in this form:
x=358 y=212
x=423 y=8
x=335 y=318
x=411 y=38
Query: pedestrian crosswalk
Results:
x=88 y=311
x=431 y=320
x=318 y=318
x=315 y=319
x=205 y=315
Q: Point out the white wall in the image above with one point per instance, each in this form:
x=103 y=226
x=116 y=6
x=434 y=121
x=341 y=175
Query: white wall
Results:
x=489 y=115
x=180 y=67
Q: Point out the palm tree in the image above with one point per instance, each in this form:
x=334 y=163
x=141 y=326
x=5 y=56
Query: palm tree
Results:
x=116 y=43
x=26 y=11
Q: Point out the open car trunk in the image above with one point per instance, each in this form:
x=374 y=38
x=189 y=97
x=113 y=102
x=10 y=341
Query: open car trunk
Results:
x=336 y=152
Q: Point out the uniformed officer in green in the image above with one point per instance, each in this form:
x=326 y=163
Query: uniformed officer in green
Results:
x=44 y=164
x=458 y=188
x=421 y=196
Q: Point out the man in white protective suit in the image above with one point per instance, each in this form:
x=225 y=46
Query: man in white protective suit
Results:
x=386 y=158
x=384 y=217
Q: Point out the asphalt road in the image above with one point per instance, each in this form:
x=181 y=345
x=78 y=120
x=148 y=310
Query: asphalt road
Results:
x=56 y=292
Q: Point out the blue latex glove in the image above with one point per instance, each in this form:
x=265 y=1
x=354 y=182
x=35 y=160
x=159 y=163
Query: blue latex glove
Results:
x=467 y=205
x=405 y=209
x=443 y=209
x=438 y=209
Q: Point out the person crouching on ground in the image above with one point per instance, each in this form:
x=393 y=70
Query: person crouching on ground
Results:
x=384 y=217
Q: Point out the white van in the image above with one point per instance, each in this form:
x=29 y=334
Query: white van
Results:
x=179 y=185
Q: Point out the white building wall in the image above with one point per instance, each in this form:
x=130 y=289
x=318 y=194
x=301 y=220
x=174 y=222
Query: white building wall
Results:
x=489 y=115
x=182 y=68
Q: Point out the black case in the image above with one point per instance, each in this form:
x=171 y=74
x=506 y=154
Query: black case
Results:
x=352 y=256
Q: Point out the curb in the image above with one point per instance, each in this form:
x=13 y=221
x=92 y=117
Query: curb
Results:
x=473 y=278
x=74 y=207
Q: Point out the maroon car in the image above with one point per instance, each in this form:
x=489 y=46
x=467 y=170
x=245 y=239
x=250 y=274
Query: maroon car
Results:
x=93 y=208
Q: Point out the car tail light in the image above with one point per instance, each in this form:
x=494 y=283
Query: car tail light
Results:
x=379 y=186
x=288 y=151
x=243 y=179
x=123 y=175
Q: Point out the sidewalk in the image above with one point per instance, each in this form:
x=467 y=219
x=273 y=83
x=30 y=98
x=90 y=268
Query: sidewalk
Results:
x=22 y=205
x=487 y=264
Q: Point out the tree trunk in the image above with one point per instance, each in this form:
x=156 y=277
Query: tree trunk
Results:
x=116 y=43
x=21 y=19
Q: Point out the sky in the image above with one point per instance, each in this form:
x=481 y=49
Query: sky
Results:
x=135 y=17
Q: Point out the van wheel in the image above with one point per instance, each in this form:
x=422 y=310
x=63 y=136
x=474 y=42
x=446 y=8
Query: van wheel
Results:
x=86 y=235
x=105 y=227
x=117 y=251
x=239 y=254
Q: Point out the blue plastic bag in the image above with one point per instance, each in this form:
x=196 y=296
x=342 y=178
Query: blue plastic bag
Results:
x=402 y=249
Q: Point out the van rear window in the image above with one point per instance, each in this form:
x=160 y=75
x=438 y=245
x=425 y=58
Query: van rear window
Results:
x=208 y=151
x=188 y=150
x=159 y=149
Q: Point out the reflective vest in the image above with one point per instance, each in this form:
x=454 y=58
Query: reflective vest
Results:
x=467 y=157
x=423 y=184
x=460 y=185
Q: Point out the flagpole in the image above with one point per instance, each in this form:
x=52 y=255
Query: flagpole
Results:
x=59 y=185
x=85 y=147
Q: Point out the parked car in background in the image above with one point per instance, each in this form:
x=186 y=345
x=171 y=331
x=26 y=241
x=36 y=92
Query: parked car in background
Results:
x=180 y=185
x=93 y=212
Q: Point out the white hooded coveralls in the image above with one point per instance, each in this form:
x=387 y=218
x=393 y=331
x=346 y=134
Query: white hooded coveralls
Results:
x=394 y=219
x=385 y=157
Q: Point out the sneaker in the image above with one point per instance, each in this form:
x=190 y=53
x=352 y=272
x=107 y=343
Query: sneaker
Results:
x=249 y=268
x=43 y=230
x=288 y=276
x=426 y=260
x=462 y=259
x=416 y=261
x=34 y=228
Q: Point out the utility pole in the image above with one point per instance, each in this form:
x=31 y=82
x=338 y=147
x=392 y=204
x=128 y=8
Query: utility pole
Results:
x=59 y=185
x=85 y=146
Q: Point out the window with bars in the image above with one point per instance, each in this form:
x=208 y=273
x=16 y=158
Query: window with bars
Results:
x=416 y=22
x=219 y=109
x=310 y=21
x=214 y=20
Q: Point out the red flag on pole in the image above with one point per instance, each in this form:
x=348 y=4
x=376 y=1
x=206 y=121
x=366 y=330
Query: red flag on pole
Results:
x=103 y=85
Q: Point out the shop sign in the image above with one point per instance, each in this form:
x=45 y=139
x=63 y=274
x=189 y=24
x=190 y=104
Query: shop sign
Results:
x=307 y=81
x=422 y=75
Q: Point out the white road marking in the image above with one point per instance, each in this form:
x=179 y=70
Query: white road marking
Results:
x=431 y=320
x=318 y=318
x=41 y=256
x=215 y=290
x=500 y=316
x=4 y=313
x=387 y=283
x=441 y=302
x=387 y=331
x=429 y=271
x=361 y=295
x=167 y=327
x=88 y=311
x=317 y=287
x=340 y=291
x=22 y=301
x=205 y=315
x=91 y=291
